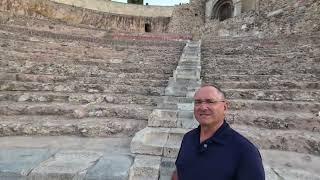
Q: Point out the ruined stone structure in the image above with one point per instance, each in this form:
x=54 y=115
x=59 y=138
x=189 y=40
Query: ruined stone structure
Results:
x=82 y=99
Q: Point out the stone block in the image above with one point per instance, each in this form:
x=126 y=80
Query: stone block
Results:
x=111 y=167
x=145 y=167
x=171 y=148
x=18 y=163
x=65 y=165
x=166 y=168
x=163 y=118
x=187 y=123
x=150 y=141
x=185 y=106
x=192 y=73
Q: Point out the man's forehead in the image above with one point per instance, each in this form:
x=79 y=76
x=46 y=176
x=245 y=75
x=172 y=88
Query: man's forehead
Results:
x=207 y=92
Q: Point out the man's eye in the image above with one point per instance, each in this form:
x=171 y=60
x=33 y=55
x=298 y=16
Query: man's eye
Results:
x=210 y=102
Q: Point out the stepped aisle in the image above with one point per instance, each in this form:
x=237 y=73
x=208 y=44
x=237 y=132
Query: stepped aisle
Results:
x=157 y=145
x=71 y=100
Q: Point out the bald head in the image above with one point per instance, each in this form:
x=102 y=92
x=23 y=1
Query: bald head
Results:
x=212 y=90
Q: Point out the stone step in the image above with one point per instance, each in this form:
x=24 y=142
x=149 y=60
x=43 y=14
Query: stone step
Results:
x=25 y=32
x=285 y=140
x=269 y=78
x=275 y=106
x=23 y=125
x=283 y=120
x=265 y=65
x=81 y=80
x=65 y=157
x=258 y=43
x=183 y=117
x=274 y=85
x=81 y=73
x=158 y=141
x=290 y=165
x=307 y=69
x=145 y=167
x=62 y=69
x=129 y=111
x=98 y=56
x=77 y=88
x=83 y=98
x=273 y=95
x=249 y=61
x=166 y=141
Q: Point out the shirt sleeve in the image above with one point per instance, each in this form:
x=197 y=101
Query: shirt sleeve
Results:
x=250 y=166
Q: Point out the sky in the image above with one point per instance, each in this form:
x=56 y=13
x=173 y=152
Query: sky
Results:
x=159 y=2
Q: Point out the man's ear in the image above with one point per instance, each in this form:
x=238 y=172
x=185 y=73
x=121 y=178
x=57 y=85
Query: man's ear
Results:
x=226 y=105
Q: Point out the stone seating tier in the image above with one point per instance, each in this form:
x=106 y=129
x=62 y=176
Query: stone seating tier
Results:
x=59 y=79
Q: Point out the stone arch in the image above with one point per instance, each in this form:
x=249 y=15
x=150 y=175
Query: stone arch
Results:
x=222 y=10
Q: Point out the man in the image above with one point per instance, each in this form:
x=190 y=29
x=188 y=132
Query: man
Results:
x=214 y=151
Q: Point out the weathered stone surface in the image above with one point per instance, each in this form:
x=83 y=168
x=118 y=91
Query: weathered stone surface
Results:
x=67 y=164
x=290 y=165
x=111 y=167
x=145 y=168
x=150 y=141
x=163 y=118
x=166 y=168
x=171 y=148
x=288 y=140
x=18 y=163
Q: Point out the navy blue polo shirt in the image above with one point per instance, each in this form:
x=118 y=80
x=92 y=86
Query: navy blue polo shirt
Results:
x=226 y=155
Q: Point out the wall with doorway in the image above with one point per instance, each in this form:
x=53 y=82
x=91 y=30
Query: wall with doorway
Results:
x=76 y=15
x=121 y=8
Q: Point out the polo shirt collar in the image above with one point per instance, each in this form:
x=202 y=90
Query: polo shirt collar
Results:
x=219 y=136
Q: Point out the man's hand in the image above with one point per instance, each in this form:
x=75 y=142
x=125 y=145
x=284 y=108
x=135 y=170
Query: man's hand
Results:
x=174 y=175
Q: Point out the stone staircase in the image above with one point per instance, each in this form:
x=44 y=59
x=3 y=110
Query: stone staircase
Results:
x=158 y=144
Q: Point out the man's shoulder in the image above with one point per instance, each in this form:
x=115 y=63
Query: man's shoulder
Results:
x=241 y=141
x=192 y=133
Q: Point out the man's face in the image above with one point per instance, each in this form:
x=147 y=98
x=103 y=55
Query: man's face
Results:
x=209 y=106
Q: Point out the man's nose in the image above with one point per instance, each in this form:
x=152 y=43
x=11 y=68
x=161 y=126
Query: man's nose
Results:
x=203 y=106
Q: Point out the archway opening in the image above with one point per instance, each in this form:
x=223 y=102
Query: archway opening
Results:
x=222 y=10
x=225 y=12
x=147 y=27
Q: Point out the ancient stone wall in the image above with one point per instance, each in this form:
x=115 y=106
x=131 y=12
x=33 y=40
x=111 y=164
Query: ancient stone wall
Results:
x=76 y=15
x=188 y=18
x=121 y=8
x=298 y=17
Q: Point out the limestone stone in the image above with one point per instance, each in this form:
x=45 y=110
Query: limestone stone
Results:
x=66 y=164
x=18 y=163
x=80 y=113
x=166 y=168
x=275 y=13
x=24 y=97
x=150 y=141
x=163 y=118
x=111 y=167
x=171 y=148
x=145 y=167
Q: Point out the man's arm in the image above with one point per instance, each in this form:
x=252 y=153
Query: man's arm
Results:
x=250 y=166
x=174 y=175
